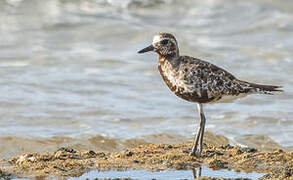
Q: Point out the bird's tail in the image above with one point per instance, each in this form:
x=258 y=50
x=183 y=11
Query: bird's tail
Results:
x=264 y=89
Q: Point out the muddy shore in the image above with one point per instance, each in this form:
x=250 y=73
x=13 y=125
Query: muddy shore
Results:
x=154 y=157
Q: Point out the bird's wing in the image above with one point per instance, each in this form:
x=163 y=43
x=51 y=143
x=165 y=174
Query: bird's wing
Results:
x=210 y=80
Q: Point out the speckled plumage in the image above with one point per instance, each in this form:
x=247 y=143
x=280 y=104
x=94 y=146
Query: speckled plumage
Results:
x=198 y=81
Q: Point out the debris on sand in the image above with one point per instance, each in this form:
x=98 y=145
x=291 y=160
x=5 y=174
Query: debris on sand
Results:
x=153 y=157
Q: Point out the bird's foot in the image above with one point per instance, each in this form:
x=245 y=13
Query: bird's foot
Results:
x=196 y=153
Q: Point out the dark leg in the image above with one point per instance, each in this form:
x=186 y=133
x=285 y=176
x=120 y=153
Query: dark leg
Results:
x=197 y=146
x=195 y=143
x=203 y=123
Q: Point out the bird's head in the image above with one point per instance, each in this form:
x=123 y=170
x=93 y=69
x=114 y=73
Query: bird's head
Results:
x=164 y=44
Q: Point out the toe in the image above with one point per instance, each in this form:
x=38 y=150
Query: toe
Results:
x=192 y=154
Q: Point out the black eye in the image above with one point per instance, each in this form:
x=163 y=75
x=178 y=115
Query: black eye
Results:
x=164 y=42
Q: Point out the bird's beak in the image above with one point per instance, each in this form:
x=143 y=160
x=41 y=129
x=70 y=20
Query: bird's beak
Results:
x=147 y=49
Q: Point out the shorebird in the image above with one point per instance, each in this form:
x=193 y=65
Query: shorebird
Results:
x=199 y=81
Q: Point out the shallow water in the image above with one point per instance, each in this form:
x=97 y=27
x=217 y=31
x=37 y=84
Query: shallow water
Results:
x=184 y=174
x=69 y=70
x=167 y=174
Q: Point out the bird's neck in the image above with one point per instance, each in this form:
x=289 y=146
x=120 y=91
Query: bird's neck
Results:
x=169 y=57
x=171 y=60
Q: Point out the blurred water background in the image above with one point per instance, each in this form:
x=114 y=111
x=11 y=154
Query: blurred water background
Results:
x=70 y=74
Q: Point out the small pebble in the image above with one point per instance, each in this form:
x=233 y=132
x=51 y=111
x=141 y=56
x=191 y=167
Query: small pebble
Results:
x=130 y=153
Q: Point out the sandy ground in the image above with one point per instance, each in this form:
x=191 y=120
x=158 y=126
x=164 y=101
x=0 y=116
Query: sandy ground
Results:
x=69 y=162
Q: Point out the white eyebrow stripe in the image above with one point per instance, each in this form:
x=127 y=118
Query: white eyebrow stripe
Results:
x=156 y=39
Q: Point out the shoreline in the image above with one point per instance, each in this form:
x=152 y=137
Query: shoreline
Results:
x=152 y=157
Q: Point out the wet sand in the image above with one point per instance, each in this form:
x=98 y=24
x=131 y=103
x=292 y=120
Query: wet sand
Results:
x=153 y=157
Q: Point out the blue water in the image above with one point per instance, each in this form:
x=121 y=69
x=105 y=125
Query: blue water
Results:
x=184 y=174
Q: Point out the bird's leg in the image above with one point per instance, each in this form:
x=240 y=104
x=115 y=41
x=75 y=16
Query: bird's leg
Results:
x=197 y=146
x=202 y=123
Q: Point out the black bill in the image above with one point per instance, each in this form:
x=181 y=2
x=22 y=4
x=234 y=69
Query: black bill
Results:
x=147 y=49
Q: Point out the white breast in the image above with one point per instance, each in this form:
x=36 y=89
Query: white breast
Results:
x=176 y=78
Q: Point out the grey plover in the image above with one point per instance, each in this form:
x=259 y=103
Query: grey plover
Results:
x=198 y=81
